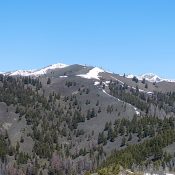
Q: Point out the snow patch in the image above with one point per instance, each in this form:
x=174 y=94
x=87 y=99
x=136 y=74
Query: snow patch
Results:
x=75 y=92
x=96 y=83
x=137 y=112
x=129 y=171
x=92 y=74
x=107 y=82
x=150 y=93
x=7 y=125
x=63 y=76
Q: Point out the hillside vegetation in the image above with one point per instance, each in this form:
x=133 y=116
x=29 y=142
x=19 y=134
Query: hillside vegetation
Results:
x=61 y=123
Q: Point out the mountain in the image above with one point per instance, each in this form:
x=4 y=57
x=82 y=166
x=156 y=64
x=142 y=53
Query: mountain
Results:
x=77 y=119
x=36 y=72
x=150 y=77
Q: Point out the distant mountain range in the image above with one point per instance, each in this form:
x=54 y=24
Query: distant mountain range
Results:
x=148 y=76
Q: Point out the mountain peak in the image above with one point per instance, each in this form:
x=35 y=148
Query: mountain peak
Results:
x=151 y=77
x=50 y=67
x=36 y=72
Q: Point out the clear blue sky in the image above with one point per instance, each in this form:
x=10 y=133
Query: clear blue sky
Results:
x=131 y=36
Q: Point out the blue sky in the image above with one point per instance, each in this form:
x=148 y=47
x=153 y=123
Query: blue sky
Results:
x=130 y=36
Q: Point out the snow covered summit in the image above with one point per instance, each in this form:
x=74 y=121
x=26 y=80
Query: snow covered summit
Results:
x=51 y=67
x=36 y=72
x=150 y=77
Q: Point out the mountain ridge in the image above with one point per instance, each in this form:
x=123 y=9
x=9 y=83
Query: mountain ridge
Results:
x=35 y=72
x=151 y=77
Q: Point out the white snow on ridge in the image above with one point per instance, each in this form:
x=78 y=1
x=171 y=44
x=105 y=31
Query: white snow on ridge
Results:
x=36 y=72
x=22 y=73
x=150 y=77
x=92 y=74
x=51 y=67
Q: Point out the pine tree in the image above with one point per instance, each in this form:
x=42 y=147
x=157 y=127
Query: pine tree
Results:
x=123 y=142
x=48 y=81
